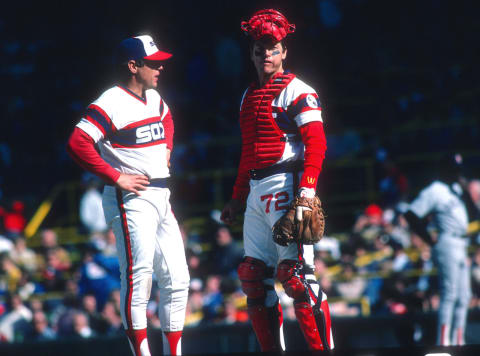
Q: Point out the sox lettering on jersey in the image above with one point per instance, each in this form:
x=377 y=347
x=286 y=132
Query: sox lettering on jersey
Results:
x=150 y=132
x=146 y=133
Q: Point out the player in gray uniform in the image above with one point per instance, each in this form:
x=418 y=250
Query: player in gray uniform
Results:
x=445 y=201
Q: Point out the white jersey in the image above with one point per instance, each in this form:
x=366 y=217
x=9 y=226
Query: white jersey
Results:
x=131 y=132
x=450 y=214
x=299 y=101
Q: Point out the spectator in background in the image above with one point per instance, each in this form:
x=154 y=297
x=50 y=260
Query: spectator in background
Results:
x=226 y=254
x=10 y=274
x=112 y=318
x=474 y=189
x=6 y=244
x=425 y=285
x=212 y=299
x=476 y=279
x=40 y=330
x=104 y=255
x=14 y=220
x=53 y=261
x=400 y=260
x=370 y=224
x=351 y=285
x=50 y=243
x=194 y=313
x=97 y=279
x=26 y=287
x=36 y=304
x=54 y=270
x=91 y=209
x=105 y=243
x=322 y=273
x=89 y=305
x=81 y=326
x=115 y=298
x=396 y=227
x=23 y=256
x=233 y=314
x=61 y=314
x=16 y=320
x=197 y=266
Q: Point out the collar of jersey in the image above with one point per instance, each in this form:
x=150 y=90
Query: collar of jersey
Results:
x=128 y=91
x=255 y=84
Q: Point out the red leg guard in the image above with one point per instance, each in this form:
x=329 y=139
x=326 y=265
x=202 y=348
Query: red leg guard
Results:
x=136 y=338
x=173 y=339
x=308 y=325
x=328 y=323
x=251 y=273
x=266 y=323
x=291 y=282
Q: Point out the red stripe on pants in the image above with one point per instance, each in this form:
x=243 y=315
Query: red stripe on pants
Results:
x=128 y=255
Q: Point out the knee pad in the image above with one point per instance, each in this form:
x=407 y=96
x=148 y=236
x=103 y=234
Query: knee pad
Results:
x=252 y=272
x=293 y=284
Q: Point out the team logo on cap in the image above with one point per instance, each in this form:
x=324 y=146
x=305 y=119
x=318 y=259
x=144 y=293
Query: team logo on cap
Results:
x=311 y=101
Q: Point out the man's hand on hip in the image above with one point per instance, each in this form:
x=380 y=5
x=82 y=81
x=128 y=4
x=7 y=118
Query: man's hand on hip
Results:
x=132 y=182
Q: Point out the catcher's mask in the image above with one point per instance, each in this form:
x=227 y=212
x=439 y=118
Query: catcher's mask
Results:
x=267 y=23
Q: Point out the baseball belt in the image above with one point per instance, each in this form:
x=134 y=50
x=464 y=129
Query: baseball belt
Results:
x=284 y=167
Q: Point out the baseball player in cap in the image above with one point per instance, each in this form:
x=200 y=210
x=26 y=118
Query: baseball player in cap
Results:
x=283 y=147
x=450 y=205
x=132 y=128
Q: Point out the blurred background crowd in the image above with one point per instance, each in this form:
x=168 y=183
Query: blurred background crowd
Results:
x=399 y=87
x=51 y=290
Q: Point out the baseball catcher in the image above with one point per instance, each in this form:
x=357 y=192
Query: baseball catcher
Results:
x=283 y=146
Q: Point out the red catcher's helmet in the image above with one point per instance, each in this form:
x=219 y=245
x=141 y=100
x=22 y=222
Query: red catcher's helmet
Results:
x=268 y=23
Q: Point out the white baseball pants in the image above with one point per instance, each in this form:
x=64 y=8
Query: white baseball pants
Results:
x=148 y=241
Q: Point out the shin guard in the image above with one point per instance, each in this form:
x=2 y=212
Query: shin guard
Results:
x=324 y=323
x=267 y=322
x=308 y=325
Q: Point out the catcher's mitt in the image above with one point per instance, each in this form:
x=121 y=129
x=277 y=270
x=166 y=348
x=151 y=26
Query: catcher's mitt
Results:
x=304 y=222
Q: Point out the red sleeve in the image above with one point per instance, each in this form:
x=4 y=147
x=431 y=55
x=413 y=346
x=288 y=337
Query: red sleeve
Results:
x=313 y=138
x=81 y=148
x=169 y=129
x=241 y=186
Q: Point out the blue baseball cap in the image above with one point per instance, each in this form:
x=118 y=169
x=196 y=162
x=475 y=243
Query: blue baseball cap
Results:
x=140 y=47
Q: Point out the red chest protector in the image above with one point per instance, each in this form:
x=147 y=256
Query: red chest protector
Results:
x=261 y=137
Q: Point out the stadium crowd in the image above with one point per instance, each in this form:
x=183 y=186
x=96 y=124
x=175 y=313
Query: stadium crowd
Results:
x=51 y=291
